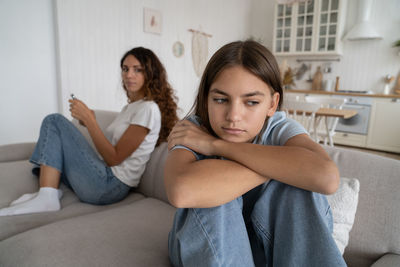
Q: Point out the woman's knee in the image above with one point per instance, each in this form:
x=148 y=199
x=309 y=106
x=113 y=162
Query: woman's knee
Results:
x=54 y=117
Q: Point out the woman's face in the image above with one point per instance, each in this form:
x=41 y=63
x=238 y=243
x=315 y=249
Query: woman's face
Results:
x=238 y=104
x=133 y=77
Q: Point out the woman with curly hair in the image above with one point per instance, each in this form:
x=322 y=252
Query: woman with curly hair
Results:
x=63 y=154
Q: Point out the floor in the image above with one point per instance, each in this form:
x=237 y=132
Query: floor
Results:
x=382 y=153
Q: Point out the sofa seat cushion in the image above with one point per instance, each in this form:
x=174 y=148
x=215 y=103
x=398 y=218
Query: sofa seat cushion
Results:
x=129 y=235
x=376 y=228
x=16 y=179
x=387 y=260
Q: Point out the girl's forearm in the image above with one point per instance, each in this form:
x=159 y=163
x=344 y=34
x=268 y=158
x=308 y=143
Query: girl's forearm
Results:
x=208 y=183
x=294 y=165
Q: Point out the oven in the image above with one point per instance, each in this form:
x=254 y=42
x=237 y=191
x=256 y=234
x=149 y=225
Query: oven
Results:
x=357 y=124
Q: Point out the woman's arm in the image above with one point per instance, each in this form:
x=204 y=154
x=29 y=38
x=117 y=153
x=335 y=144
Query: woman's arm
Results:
x=112 y=155
x=205 y=183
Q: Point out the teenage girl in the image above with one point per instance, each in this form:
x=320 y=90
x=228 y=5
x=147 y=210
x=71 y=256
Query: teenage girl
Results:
x=62 y=153
x=248 y=182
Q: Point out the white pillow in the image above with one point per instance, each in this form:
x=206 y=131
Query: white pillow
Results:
x=344 y=205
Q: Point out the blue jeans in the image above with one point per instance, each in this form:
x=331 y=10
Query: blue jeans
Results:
x=272 y=225
x=64 y=148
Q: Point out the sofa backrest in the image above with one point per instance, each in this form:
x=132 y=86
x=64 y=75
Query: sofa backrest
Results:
x=376 y=229
x=152 y=181
x=103 y=117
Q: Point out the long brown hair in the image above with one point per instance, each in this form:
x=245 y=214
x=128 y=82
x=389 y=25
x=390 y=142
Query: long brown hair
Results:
x=156 y=88
x=248 y=54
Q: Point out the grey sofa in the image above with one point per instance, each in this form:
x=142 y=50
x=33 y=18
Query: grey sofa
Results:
x=134 y=231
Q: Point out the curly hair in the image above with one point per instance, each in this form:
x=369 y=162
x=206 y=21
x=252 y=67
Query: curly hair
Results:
x=156 y=88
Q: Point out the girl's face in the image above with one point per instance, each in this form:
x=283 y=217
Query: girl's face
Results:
x=133 y=77
x=238 y=104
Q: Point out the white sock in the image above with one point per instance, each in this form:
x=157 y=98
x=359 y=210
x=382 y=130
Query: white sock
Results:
x=27 y=197
x=45 y=200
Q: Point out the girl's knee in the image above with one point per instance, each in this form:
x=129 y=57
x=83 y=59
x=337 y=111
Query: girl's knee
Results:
x=285 y=196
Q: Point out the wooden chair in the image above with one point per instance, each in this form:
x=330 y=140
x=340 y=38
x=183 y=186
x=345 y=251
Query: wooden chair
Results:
x=301 y=111
x=326 y=131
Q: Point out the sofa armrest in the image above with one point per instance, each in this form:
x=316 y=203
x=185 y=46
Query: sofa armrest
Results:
x=23 y=151
x=18 y=151
x=387 y=260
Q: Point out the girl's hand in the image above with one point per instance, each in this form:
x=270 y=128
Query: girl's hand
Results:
x=80 y=111
x=192 y=136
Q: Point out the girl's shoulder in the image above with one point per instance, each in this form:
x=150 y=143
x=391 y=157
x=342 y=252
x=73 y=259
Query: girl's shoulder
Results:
x=194 y=118
x=278 y=129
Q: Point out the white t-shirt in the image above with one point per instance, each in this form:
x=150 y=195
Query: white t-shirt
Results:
x=142 y=113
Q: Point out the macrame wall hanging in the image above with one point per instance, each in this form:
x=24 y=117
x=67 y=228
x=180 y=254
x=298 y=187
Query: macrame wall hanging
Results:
x=199 y=50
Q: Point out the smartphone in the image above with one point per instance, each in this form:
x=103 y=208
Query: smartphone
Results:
x=73 y=96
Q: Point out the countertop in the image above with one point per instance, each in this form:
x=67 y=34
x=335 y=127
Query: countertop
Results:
x=339 y=93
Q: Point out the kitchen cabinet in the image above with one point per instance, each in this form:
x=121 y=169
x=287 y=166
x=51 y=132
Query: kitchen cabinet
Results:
x=313 y=27
x=350 y=139
x=384 y=127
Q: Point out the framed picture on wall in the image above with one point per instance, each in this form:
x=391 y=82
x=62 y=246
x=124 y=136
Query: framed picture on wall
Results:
x=152 y=21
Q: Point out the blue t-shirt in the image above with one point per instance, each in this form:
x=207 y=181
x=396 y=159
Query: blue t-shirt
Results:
x=275 y=132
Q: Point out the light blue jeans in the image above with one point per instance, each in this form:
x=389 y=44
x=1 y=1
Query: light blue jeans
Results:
x=64 y=148
x=272 y=225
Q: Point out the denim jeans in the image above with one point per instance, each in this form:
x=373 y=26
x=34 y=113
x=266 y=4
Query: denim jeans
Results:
x=272 y=225
x=64 y=148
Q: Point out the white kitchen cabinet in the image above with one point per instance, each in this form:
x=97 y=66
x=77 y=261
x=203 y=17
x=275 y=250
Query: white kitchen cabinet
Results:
x=350 y=139
x=313 y=27
x=384 y=127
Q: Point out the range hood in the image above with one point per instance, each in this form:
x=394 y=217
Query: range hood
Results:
x=363 y=29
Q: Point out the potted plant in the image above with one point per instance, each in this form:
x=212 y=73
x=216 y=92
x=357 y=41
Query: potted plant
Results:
x=397 y=44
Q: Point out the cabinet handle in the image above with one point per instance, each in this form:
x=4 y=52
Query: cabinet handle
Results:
x=345 y=134
x=395 y=100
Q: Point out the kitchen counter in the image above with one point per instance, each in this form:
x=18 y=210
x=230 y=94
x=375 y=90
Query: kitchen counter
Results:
x=339 y=93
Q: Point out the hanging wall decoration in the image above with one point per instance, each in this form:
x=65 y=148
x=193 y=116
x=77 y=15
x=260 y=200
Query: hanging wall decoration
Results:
x=199 y=50
x=178 y=49
x=152 y=21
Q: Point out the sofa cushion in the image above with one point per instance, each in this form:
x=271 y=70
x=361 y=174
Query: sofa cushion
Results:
x=388 y=260
x=129 y=235
x=152 y=181
x=376 y=228
x=16 y=179
x=15 y=152
x=344 y=205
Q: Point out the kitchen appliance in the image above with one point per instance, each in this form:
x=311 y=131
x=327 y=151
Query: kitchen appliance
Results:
x=364 y=28
x=359 y=123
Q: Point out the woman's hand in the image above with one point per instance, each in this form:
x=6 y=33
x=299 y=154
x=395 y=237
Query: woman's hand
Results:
x=192 y=136
x=80 y=111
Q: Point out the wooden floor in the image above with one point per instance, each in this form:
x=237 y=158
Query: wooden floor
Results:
x=382 y=153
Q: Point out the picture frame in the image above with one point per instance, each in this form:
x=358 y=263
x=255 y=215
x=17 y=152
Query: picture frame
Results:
x=152 y=21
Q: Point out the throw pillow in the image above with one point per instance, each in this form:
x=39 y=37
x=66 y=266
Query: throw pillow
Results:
x=344 y=205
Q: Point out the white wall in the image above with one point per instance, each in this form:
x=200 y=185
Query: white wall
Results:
x=91 y=36
x=363 y=63
x=94 y=34
x=27 y=68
